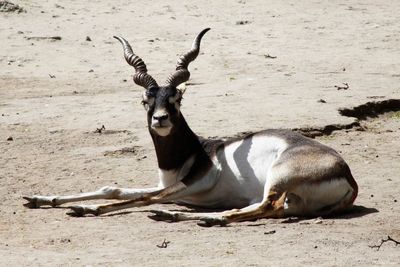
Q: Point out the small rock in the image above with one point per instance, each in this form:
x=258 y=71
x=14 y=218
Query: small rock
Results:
x=318 y=220
x=100 y=130
x=242 y=22
x=88 y=39
x=321 y=101
x=10 y=138
x=91 y=70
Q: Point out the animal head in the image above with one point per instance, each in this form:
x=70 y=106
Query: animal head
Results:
x=162 y=103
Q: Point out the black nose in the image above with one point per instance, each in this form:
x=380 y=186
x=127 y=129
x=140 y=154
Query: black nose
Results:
x=161 y=118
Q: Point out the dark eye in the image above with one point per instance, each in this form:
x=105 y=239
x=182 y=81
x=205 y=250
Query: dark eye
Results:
x=144 y=102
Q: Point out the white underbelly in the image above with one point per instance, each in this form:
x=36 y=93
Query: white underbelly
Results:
x=241 y=169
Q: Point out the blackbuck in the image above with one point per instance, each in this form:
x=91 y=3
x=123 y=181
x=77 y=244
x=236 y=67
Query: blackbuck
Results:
x=267 y=174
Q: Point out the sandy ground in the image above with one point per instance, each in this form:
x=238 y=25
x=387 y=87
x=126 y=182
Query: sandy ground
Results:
x=55 y=93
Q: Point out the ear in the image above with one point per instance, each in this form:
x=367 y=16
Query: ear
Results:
x=182 y=88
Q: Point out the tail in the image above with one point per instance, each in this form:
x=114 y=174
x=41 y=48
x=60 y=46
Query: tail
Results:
x=353 y=184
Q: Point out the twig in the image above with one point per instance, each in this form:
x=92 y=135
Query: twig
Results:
x=164 y=244
x=100 y=130
x=270 y=232
x=269 y=56
x=345 y=87
x=38 y=38
x=384 y=241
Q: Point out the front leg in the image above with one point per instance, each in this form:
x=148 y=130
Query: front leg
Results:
x=172 y=193
x=107 y=192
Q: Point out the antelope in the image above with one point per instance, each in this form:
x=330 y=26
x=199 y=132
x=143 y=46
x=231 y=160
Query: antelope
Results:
x=268 y=174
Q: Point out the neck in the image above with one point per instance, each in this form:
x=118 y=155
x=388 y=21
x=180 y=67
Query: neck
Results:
x=176 y=148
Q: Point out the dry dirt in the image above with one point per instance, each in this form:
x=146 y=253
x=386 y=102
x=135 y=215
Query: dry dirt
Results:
x=62 y=76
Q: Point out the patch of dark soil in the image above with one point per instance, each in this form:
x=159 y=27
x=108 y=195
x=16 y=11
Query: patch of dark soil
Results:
x=313 y=132
x=362 y=112
x=371 y=109
x=6 y=6
x=126 y=151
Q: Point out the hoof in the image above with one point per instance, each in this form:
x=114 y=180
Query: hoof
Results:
x=35 y=202
x=80 y=211
x=160 y=215
x=76 y=211
x=32 y=202
x=208 y=222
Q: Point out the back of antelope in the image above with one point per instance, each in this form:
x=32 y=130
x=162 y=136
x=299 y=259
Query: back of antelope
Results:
x=268 y=174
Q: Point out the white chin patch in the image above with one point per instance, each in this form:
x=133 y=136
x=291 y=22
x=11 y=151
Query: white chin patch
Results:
x=162 y=131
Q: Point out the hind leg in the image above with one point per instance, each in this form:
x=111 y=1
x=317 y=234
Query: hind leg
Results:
x=306 y=199
x=271 y=207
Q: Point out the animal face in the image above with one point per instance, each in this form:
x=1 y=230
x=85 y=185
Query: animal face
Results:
x=163 y=108
x=162 y=103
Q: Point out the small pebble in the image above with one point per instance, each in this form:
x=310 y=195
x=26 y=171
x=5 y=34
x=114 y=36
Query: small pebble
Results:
x=270 y=232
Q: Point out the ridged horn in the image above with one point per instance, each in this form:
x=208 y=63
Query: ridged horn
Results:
x=182 y=73
x=141 y=77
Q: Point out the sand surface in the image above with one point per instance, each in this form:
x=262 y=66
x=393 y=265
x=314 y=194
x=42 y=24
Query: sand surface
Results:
x=55 y=92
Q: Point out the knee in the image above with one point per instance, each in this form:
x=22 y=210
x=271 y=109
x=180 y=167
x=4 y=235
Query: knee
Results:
x=110 y=191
